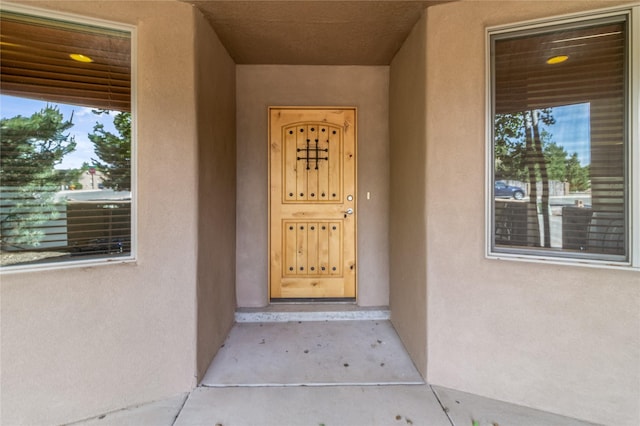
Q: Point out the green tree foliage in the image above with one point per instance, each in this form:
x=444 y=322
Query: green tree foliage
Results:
x=30 y=148
x=566 y=168
x=510 y=150
x=577 y=175
x=114 y=151
x=556 y=159
x=519 y=139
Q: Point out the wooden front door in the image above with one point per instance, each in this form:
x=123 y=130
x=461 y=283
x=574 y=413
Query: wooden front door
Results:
x=312 y=177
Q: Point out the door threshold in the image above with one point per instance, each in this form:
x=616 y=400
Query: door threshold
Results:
x=313 y=301
x=286 y=312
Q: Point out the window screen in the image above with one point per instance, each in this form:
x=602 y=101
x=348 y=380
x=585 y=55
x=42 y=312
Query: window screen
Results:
x=66 y=155
x=560 y=140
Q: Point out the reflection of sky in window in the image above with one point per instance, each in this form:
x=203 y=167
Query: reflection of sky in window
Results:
x=572 y=130
x=83 y=122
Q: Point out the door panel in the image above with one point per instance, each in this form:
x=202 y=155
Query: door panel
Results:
x=312 y=175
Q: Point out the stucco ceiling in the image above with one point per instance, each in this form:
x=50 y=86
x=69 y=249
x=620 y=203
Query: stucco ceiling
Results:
x=312 y=32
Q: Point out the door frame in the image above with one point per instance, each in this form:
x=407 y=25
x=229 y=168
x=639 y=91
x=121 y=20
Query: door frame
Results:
x=355 y=204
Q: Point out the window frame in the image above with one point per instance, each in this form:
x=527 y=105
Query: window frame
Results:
x=632 y=130
x=107 y=259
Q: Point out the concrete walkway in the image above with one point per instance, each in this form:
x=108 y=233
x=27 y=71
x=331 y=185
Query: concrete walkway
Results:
x=330 y=406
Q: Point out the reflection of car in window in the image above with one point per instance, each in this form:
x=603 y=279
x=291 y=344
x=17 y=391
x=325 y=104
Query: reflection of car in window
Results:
x=502 y=190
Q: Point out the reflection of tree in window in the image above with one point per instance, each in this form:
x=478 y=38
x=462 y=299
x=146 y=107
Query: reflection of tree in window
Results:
x=525 y=151
x=114 y=151
x=31 y=147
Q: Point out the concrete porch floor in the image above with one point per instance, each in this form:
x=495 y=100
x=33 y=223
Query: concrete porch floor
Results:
x=345 y=368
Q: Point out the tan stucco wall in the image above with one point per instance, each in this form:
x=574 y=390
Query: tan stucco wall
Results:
x=366 y=88
x=408 y=227
x=558 y=338
x=83 y=341
x=215 y=109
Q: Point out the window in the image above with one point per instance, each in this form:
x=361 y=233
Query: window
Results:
x=563 y=151
x=67 y=175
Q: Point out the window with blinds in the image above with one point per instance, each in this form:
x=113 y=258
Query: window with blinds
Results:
x=66 y=175
x=560 y=140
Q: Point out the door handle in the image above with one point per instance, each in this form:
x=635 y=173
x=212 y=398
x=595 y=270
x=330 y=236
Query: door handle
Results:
x=348 y=212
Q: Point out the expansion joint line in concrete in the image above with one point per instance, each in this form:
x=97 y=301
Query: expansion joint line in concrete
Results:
x=175 y=419
x=445 y=409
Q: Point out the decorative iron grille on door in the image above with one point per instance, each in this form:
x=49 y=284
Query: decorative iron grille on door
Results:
x=312 y=163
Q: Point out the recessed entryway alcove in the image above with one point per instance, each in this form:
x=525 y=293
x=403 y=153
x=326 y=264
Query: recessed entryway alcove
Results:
x=336 y=54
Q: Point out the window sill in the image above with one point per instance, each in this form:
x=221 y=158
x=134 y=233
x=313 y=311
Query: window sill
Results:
x=54 y=266
x=589 y=263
